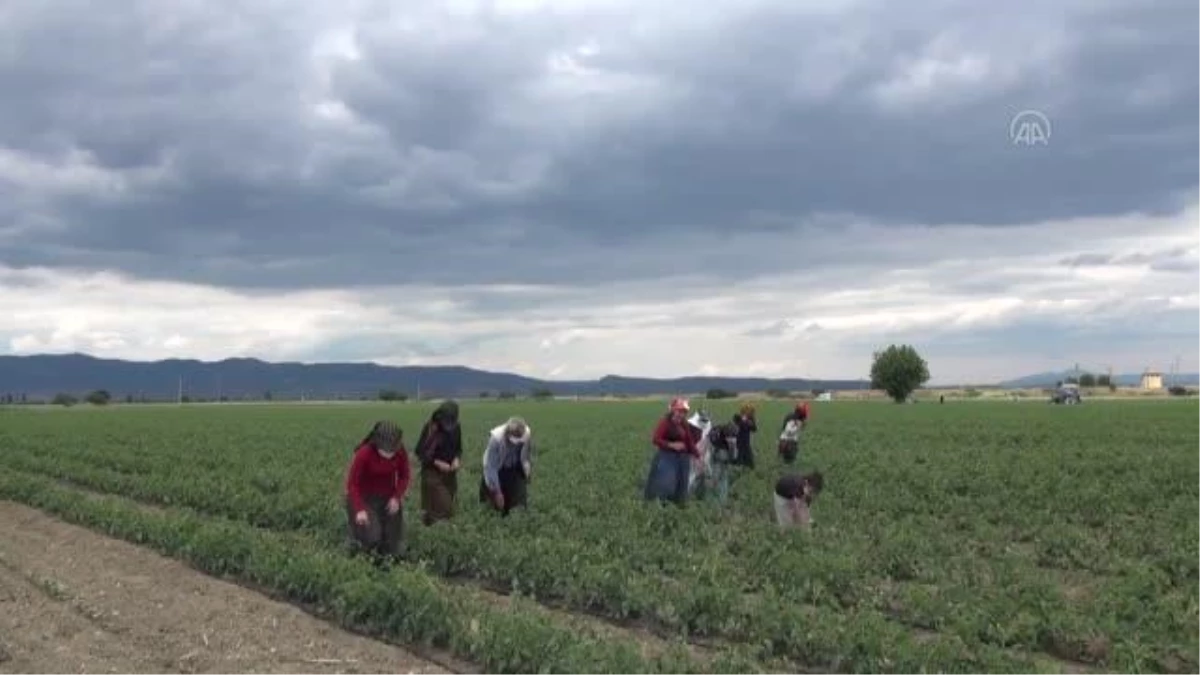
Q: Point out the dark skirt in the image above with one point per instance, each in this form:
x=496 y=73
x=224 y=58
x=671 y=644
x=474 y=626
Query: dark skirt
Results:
x=383 y=534
x=669 y=476
x=789 y=450
x=745 y=455
x=438 y=494
x=514 y=485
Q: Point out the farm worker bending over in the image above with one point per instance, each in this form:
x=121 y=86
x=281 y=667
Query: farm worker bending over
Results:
x=379 y=476
x=789 y=436
x=440 y=451
x=672 y=464
x=746 y=425
x=794 y=495
x=723 y=453
x=507 y=465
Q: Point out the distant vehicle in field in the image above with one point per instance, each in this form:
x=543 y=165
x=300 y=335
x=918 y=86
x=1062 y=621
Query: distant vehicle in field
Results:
x=1066 y=394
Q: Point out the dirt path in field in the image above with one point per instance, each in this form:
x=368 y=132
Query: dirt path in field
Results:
x=73 y=601
x=651 y=642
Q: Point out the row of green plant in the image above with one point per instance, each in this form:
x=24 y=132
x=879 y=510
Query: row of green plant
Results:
x=401 y=602
x=557 y=567
x=573 y=572
x=1059 y=557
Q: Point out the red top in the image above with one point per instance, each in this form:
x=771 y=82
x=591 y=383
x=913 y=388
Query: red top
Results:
x=372 y=474
x=668 y=431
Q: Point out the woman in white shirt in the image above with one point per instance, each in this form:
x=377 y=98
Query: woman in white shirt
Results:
x=789 y=436
x=507 y=466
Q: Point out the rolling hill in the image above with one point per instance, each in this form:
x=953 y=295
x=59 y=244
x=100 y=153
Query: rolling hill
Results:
x=45 y=375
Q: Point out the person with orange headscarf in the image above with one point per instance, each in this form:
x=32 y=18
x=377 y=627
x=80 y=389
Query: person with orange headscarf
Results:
x=789 y=436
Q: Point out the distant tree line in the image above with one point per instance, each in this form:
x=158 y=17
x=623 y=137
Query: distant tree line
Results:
x=1091 y=381
x=100 y=397
x=899 y=370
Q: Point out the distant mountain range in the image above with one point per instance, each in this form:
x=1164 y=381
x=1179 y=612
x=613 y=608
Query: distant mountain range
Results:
x=1123 y=380
x=44 y=376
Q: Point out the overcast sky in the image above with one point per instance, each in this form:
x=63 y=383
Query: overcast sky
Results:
x=576 y=188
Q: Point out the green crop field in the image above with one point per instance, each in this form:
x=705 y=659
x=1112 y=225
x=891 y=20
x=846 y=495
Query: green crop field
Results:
x=960 y=537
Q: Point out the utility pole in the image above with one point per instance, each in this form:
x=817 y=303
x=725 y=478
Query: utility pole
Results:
x=179 y=395
x=418 y=390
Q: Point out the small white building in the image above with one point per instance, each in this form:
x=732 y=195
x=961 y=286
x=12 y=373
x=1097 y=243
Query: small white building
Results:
x=1152 y=380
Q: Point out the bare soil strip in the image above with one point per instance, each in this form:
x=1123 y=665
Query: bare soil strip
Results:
x=73 y=601
x=650 y=640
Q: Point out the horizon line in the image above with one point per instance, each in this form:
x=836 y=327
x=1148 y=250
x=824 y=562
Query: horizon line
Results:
x=960 y=384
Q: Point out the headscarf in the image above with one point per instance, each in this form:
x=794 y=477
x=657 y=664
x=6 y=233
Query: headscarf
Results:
x=441 y=428
x=516 y=430
x=385 y=437
x=446 y=414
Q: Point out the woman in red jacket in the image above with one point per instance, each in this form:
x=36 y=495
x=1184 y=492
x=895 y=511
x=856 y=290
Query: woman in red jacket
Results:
x=375 y=485
x=671 y=468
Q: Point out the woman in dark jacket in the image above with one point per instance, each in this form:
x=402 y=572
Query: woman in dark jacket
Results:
x=439 y=450
x=794 y=495
x=746 y=426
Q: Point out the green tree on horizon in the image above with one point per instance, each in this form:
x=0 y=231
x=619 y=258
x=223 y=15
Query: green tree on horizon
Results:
x=899 y=371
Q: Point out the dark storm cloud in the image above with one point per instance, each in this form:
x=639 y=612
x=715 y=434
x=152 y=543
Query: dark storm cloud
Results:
x=1153 y=330
x=470 y=160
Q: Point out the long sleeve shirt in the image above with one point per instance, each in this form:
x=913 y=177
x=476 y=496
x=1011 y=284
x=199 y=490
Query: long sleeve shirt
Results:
x=799 y=417
x=503 y=453
x=746 y=425
x=373 y=475
x=669 y=431
x=436 y=443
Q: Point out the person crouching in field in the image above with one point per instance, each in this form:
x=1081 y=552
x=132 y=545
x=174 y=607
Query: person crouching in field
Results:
x=746 y=426
x=378 y=477
x=789 y=436
x=794 y=495
x=507 y=465
x=439 y=450
x=670 y=470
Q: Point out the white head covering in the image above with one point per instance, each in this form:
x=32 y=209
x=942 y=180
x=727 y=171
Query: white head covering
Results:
x=503 y=432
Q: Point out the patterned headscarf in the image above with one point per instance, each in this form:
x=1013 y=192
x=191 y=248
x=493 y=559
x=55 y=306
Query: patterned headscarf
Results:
x=385 y=437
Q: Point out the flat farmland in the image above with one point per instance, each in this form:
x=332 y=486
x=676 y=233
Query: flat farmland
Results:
x=983 y=537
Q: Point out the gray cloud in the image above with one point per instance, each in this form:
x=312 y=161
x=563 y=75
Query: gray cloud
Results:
x=1175 y=259
x=368 y=347
x=775 y=329
x=465 y=150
